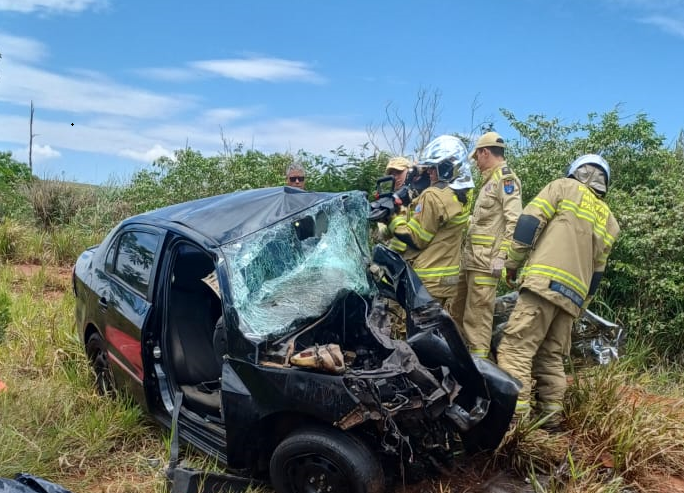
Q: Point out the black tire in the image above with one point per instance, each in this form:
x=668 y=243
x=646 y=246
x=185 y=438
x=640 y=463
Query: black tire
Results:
x=96 y=350
x=326 y=460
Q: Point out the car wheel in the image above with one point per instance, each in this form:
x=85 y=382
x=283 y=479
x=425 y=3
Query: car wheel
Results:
x=313 y=460
x=97 y=355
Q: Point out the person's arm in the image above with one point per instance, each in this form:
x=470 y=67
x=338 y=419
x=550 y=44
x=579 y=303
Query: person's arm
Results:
x=509 y=195
x=608 y=238
x=530 y=224
x=426 y=218
x=511 y=203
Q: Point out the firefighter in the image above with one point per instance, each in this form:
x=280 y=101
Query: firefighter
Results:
x=399 y=167
x=566 y=234
x=496 y=210
x=429 y=235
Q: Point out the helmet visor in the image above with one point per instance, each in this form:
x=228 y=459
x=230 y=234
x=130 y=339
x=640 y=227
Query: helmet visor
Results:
x=593 y=177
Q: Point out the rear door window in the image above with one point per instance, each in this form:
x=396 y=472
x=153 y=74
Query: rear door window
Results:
x=134 y=259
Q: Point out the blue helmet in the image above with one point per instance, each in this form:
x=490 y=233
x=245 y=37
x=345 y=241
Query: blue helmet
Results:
x=448 y=154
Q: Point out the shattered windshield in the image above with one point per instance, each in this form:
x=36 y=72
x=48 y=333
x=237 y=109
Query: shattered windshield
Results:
x=294 y=269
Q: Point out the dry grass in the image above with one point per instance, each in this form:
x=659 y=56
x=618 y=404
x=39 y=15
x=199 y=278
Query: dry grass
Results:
x=624 y=430
x=618 y=436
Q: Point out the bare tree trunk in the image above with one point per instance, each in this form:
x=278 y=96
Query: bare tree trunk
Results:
x=31 y=140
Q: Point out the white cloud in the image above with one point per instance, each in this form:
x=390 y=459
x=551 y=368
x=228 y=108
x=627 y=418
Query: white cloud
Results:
x=27 y=6
x=167 y=74
x=293 y=134
x=145 y=142
x=83 y=94
x=44 y=152
x=667 y=24
x=266 y=69
x=19 y=48
x=147 y=156
x=124 y=121
x=40 y=153
x=224 y=115
x=667 y=15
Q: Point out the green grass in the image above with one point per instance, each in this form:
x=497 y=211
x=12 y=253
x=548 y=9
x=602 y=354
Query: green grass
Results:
x=53 y=423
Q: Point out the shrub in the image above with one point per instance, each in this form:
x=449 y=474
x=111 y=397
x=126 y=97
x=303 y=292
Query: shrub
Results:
x=12 y=175
x=56 y=201
x=11 y=234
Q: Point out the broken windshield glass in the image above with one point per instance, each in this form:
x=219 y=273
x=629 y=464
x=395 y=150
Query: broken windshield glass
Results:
x=291 y=272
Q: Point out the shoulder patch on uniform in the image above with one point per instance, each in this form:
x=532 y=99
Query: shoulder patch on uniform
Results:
x=508 y=186
x=506 y=171
x=418 y=209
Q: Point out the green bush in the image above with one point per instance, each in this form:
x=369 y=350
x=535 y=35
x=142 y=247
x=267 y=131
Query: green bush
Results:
x=56 y=202
x=12 y=175
x=10 y=238
x=190 y=176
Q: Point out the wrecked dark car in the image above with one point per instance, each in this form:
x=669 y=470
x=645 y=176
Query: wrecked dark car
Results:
x=265 y=312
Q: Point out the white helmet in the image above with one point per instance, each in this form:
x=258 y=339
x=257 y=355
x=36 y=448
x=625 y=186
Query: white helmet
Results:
x=578 y=170
x=448 y=154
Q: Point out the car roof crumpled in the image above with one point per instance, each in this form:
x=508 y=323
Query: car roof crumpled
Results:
x=228 y=217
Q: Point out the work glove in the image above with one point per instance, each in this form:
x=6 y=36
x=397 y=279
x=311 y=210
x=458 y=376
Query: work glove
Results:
x=497 y=266
x=511 y=276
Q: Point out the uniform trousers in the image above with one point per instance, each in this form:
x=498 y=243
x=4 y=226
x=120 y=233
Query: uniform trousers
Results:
x=535 y=341
x=473 y=310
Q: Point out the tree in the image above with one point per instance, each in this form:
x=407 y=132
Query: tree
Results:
x=396 y=135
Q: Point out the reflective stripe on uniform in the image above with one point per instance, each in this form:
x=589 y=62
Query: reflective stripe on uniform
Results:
x=551 y=407
x=522 y=406
x=479 y=353
x=515 y=256
x=486 y=280
x=486 y=240
x=397 y=245
x=422 y=233
x=396 y=222
x=590 y=216
x=449 y=270
x=545 y=206
x=459 y=219
x=559 y=275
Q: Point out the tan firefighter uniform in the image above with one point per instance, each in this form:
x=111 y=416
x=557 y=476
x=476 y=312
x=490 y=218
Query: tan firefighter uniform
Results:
x=429 y=238
x=568 y=232
x=495 y=213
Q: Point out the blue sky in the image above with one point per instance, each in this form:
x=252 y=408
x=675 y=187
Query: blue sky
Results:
x=140 y=78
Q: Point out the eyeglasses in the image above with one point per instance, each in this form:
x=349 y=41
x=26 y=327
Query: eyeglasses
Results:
x=297 y=179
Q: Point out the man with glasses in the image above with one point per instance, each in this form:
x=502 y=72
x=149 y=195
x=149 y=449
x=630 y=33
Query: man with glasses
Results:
x=295 y=175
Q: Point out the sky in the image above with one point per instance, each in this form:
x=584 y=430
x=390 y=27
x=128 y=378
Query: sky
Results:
x=139 y=79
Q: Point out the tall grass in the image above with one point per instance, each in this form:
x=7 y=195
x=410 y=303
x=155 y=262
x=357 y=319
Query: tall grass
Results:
x=52 y=422
x=30 y=245
x=624 y=431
